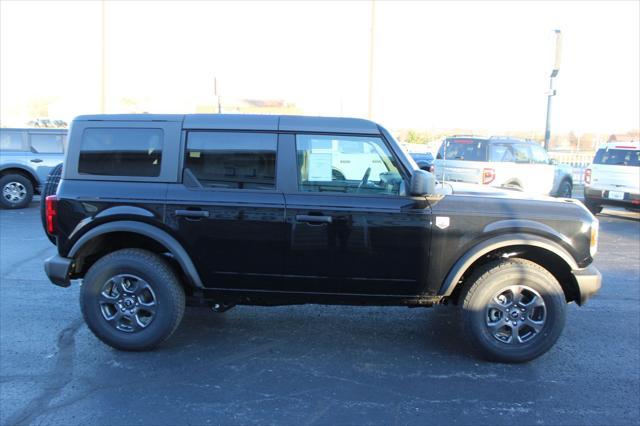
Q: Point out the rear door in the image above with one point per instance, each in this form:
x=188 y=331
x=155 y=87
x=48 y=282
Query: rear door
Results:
x=228 y=210
x=352 y=232
x=46 y=151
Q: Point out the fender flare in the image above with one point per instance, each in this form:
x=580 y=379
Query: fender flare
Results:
x=162 y=237
x=22 y=168
x=520 y=239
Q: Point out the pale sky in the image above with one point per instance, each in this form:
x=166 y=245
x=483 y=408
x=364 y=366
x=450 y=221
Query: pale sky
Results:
x=438 y=65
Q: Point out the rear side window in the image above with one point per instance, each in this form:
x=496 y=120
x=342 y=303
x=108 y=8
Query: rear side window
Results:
x=618 y=157
x=47 y=143
x=463 y=149
x=232 y=160
x=121 y=152
x=11 y=141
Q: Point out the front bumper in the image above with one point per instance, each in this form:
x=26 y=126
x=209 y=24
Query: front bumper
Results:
x=58 y=269
x=589 y=282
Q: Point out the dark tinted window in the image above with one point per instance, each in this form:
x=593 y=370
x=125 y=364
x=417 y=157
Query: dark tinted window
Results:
x=11 y=140
x=121 y=152
x=232 y=160
x=466 y=149
x=42 y=143
x=618 y=157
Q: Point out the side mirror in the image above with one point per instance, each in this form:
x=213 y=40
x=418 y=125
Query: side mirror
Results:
x=422 y=183
x=553 y=161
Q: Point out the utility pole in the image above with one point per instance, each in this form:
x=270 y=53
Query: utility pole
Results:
x=103 y=71
x=371 y=50
x=552 y=91
x=215 y=92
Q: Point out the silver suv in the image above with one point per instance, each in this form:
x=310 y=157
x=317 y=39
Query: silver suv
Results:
x=504 y=163
x=26 y=158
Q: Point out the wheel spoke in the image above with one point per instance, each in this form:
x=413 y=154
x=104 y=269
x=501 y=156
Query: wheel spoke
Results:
x=108 y=299
x=515 y=333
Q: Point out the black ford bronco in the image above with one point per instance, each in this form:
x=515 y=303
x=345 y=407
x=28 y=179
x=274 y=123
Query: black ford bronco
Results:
x=155 y=212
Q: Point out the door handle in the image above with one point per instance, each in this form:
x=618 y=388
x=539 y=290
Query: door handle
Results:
x=313 y=219
x=36 y=160
x=192 y=213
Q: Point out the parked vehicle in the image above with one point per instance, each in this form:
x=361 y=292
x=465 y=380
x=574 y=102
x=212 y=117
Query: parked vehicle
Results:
x=503 y=162
x=613 y=179
x=26 y=158
x=154 y=212
x=424 y=160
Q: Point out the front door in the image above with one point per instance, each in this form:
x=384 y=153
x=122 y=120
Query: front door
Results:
x=351 y=228
x=228 y=210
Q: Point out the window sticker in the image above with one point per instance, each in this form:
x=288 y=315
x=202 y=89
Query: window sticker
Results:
x=319 y=167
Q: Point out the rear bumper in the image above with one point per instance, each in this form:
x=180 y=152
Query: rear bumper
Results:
x=589 y=282
x=601 y=197
x=57 y=269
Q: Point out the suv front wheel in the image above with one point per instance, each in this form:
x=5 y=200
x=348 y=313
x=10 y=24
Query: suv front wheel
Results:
x=132 y=300
x=17 y=191
x=513 y=310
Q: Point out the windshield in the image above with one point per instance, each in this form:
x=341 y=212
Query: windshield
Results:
x=618 y=157
x=464 y=149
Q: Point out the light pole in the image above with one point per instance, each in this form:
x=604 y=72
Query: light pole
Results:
x=552 y=92
x=371 y=51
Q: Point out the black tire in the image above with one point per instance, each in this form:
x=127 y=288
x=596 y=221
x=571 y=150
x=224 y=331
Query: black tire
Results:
x=593 y=207
x=497 y=279
x=565 y=189
x=24 y=189
x=50 y=188
x=142 y=267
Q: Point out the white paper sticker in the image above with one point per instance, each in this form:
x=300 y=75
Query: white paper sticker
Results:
x=319 y=167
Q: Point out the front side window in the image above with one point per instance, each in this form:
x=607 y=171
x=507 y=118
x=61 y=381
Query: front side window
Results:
x=539 y=155
x=232 y=160
x=121 y=152
x=47 y=143
x=11 y=140
x=521 y=153
x=346 y=164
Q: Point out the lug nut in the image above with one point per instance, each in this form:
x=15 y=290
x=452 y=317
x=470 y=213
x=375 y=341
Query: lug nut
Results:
x=515 y=323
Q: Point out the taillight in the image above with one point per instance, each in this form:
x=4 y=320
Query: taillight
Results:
x=51 y=211
x=488 y=175
x=587 y=176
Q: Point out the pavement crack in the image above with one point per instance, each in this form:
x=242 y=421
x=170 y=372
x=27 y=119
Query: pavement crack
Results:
x=61 y=375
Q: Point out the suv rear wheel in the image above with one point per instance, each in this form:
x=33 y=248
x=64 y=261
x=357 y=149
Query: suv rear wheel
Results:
x=513 y=310
x=16 y=191
x=132 y=300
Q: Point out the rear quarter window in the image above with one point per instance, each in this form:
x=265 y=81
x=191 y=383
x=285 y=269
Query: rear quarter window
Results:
x=618 y=157
x=121 y=152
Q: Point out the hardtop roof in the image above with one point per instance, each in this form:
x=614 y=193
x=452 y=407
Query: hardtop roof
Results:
x=250 y=122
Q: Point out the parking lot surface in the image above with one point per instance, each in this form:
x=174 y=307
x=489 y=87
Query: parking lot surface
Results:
x=309 y=364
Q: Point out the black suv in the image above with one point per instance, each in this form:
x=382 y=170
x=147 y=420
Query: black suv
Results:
x=154 y=212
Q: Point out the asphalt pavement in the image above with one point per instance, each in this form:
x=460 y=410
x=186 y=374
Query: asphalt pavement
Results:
x=308 y=365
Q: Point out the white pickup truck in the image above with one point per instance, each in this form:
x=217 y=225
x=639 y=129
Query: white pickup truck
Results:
x=613 y=179
x=503 y=163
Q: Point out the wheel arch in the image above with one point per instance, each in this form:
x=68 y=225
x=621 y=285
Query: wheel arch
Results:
x=547 y=253
x=130 y=234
